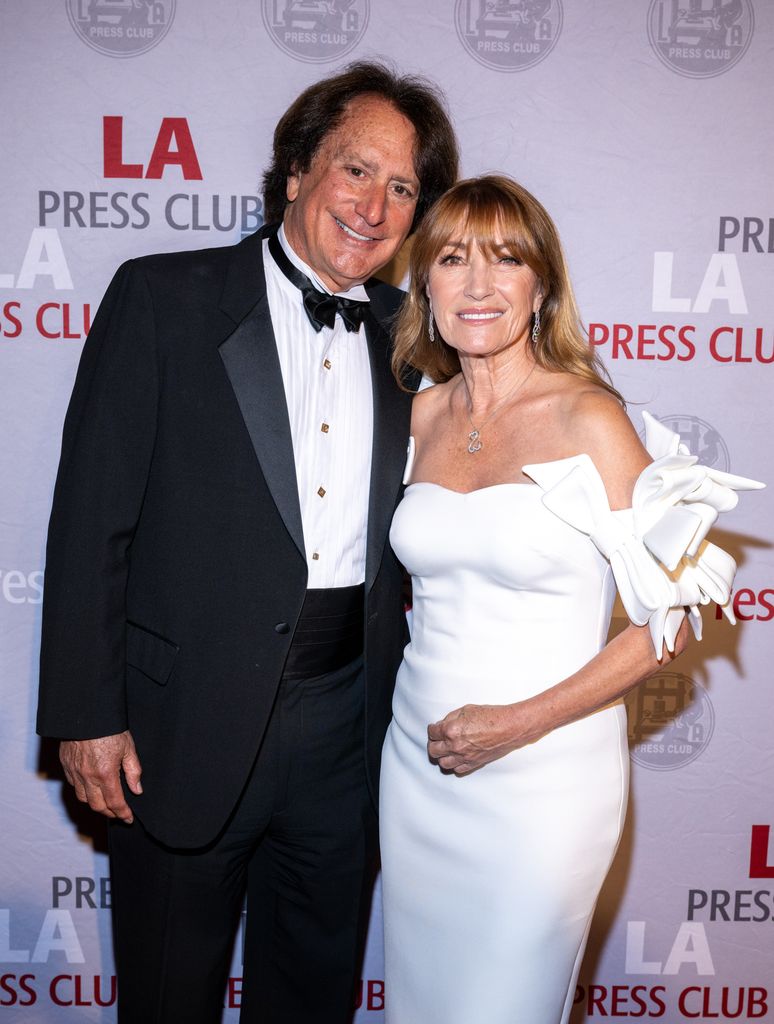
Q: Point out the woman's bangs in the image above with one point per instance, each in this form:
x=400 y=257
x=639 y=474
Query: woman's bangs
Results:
x=476 y=212
x=497 y=228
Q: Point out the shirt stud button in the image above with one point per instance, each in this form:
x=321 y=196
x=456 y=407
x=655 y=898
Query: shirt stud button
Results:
x=327 y=364
x=321 y=491
x=325 y=428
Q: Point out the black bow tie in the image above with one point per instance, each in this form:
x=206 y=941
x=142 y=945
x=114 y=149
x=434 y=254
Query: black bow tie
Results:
x=320 y=307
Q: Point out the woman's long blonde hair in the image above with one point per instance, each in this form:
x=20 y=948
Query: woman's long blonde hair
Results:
x=500 y=216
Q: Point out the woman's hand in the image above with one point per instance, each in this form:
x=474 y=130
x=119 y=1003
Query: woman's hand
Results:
x=473 y=735
x=476 y=734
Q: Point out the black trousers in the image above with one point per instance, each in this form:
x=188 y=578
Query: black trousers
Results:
x=302 y=843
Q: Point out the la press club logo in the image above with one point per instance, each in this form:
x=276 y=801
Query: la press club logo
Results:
x=656 y=958
x=508 y=35
x=671 y=721
x=684 y=287
x=121 y=28
x=316 y=31
x=700 y=38
x=145 y=153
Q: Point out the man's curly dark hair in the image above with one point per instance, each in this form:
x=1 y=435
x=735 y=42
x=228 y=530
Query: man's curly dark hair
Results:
x=319 y=109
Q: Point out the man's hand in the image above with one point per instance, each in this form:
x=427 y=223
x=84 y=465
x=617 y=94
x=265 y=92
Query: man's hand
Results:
x=472 y=736
x=93 y=768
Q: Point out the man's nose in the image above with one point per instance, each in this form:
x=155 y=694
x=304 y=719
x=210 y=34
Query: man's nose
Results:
x=372 y=205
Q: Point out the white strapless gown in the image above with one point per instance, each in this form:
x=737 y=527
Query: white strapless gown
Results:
x=490 y=879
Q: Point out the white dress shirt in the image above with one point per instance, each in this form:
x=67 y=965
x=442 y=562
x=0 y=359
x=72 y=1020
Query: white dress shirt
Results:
x=327 y=378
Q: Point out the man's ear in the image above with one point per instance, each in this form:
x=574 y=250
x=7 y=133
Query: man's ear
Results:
x=292 y=185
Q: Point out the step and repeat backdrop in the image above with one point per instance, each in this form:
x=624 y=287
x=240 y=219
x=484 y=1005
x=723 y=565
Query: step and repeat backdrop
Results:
x=134 y=126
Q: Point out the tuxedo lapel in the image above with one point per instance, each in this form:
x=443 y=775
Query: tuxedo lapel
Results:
x=388 y=459
x=251 y=361
x=250 y=357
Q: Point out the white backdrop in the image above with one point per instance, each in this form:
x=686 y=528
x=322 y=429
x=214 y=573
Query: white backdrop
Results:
x=132 y=126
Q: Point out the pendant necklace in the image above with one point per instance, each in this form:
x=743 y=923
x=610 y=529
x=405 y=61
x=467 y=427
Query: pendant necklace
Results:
x=474 y=437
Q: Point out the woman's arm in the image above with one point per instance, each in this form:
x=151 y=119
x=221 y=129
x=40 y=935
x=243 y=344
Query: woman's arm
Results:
x=593 y=422
x=476 y=734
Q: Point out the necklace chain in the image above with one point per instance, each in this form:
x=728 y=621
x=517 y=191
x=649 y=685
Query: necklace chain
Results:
x=474 y=443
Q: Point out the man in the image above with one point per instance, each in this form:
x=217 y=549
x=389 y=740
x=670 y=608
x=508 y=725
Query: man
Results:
x=222 y=614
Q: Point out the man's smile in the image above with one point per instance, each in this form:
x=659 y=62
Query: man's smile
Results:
x=355 y=234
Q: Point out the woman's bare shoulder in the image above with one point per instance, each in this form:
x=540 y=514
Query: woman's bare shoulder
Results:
x=597 y=424
x=428 y=404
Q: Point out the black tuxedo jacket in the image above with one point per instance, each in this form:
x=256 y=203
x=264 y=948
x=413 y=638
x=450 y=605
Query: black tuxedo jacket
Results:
x=175 y=563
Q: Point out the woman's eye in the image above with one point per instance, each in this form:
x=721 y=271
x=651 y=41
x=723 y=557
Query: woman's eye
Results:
x=356 y=171
x=449 y=259
x=513 y=261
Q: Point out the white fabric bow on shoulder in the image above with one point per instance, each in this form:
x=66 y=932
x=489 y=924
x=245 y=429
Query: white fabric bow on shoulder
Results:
x=661 y=560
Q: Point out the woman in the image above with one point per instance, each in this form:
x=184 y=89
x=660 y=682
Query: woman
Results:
x=505 y=768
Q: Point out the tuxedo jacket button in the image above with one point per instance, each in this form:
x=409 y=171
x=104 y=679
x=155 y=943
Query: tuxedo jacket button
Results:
x=282 y=627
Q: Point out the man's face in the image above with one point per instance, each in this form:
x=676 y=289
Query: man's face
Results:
x=351 y=211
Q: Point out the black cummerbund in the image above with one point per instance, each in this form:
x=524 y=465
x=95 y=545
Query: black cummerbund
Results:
x=329 y=633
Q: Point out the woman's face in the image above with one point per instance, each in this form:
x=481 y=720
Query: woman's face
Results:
x=482 y=301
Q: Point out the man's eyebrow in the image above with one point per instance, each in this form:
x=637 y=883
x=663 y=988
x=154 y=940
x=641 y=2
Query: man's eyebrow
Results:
x=369 y=165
